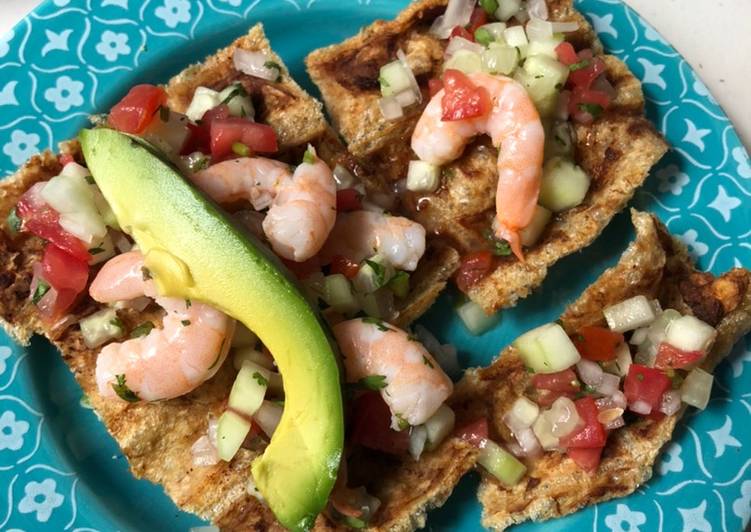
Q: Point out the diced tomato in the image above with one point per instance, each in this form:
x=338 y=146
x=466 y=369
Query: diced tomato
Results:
x=672 y=357
x=458 y=31
x=371 y=426
x=566 y=53
x=597 y=343
x=563 y=381
x=587 y=70
x=462 y=98
x=344 y=266
x=586 y=459
x=435 y=85
x=199 y=138
x=645 y=384
x=43 y=221
x=347 y=200
x=656 y=415
x=134 y=112
x=585 y=105
x=225 y=132
x=475 y=432
x=479 y=18
x=66 y=274
x=592 y=434
x=65 y=158
x=472 y=269
x=303 y=270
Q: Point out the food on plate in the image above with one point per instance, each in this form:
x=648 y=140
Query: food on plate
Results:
x=425 y=100
x=581 y=408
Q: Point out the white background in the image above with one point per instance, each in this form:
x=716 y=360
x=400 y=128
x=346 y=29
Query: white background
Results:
x=713 y=35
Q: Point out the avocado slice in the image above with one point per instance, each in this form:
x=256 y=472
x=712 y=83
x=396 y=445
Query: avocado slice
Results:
x=195 y=252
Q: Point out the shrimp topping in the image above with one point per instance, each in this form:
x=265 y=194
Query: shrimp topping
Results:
x=415 y=385
x=514 y=126
x=168 y=362
x=302 y=205
x=358 y=235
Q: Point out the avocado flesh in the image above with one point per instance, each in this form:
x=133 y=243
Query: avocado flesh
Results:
x=195 y=252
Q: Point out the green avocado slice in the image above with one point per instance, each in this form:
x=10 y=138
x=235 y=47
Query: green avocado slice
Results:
x=195 y=252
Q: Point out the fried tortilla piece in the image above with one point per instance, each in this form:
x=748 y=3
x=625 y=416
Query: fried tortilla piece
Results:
x=655 y=265
x=617 y=150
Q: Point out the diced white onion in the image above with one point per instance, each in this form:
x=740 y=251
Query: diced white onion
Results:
x=641 y=407
x=423 y=177
x=254 y=64
x=343 y=177
x=203 y=100
x=460 y=43
x=439 y=425
x=507 y=9
x=204 y=452
x=495 y=29
x=608 y=384
x=515 y=37
x=524 y=413
x=390 y=108
x=268 y=417
x=603 y=85
x=564 y=27
x=616 y=400
x=406 y=98
x=623 y=359
x=537 y=9
x=543 y=429
x=522 y=16
x=458 y=13
x=638 y=336
x=671 y=402
x=630 y=314
x=465 y=61
x=528 y=442
x=563 y=416
x=539 y=30
x=122 y=243
x=608 y=415
x=688 y=333
x=418 y=436
x=590 y=372
x=696 y=388
x=412 y=80
x=250 y=354
x=615 y=424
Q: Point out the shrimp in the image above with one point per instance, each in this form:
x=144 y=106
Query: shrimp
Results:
x=168 y=362
x=515 y=128
x=302 y=206
x=416 y=386
x=360 y=234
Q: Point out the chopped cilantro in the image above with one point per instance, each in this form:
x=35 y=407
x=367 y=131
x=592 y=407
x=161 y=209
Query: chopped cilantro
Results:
x=122 y=390
x=373 y=382
x=240 y=149
x=402 y=423
x=237 y=90
x=271 y=65
x=89 y=179
x=196 y=164
x=580 y=65
x=592 y=108
x=427 y=362
x=383 y=82
x=309 y=157
x=640 y=376
x=146 y=273
x=260 y=379
x=483 y=36
x=41 y=289
x=399 y=284
x=14 y=221
x=379 y=271
x=96 y=251
x=142 y=330
x=185 y=323
x=378 y=323
x=117 y=322
x=188 y=303
x=498 y=247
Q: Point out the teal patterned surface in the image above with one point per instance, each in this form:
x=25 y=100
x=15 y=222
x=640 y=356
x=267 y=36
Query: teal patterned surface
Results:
x=59 y=470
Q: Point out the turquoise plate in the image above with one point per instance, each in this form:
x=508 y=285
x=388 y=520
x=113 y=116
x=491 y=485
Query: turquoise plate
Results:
x=59 y=470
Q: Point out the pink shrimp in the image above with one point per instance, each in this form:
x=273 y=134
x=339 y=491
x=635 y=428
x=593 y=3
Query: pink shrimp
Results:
x=514 y=126
x=167 y=362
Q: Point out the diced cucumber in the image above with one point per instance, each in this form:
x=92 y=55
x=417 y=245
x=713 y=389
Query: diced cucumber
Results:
x=250 y=354
x=500 y=59
x=559 y=141
x=545 y=48
x=418 y=436
x=630 y=314
x=495 y=29
x=378 y=304
x=507 y=9
x=72 y=197
x=475 y=319
x=466 y=61
x=501 y=464
x=203 y=100
x=101 y=327
x=547 y=349
x=231 y=431
x=530 y=234
x=102 y=250
x=543 y=77
x=394 y=78
x=516 y=37
x=525 y=411
x=244 y=337
x=423 y=177
x=337 y=293
x=373 y=274
x=439 y=425
x=688 y=333
x=249 y=388
x=236 y=98
x=543 y=429
x=399 y=284
x=564 y=185
x=696 y=388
